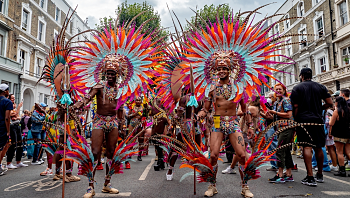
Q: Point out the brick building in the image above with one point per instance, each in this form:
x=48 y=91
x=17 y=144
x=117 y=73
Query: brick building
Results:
x=317 y=50
x=27 y=29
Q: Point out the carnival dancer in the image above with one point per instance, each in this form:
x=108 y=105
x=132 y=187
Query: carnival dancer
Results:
x=135 y=116
x=183 y=116
x=224 y=121
x=160 y=122
x=105 y=122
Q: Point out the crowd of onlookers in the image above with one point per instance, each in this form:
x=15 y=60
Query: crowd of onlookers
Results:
x=13 y=138
x=329 y=133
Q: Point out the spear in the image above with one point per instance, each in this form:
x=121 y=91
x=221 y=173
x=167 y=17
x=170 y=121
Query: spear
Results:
x=193 y=103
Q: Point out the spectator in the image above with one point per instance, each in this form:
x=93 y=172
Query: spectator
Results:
x=37 y=131
x=345 y=93
x=269 y=119
x=339 y=128
x=26 y=125
x=307 y=99
x=283 y=111
x=16 y=139
x=5 y=107
x=330 y=140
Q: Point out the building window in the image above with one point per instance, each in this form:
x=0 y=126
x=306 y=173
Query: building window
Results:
x=287 y=21
x=40 y=31
x=16 y=92
x=58 y=14
x=22 y=59
x=25 y=16
x=301 y=9
x=1 y=6
x=343 y=13
x=39 y=62
x=79 y=31
x=289 y=48
x=1 y=44
x=42 y=3
x=290 y=78
x=277 y=32
x=345 y=55
x=322 y=62
x=319 y=27
x=45 y=99
x=303 y=38
x=71 y=27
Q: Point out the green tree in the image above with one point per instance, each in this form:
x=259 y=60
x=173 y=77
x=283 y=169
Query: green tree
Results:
x=209 y=13
x=127 y=12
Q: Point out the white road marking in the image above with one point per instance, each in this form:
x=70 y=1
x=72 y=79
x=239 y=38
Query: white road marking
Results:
x=332 y=178
x=125 y=194
x=336 y=193
x=145 y=172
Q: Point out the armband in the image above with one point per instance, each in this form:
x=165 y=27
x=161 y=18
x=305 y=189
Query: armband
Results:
x=208 y=99
x=205 y=111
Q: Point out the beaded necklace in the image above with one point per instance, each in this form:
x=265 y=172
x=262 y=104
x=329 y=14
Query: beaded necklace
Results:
x=224 y=90
x=111 y=92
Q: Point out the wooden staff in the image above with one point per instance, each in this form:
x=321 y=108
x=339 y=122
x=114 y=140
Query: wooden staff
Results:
x=193 y=128
x=64 y=153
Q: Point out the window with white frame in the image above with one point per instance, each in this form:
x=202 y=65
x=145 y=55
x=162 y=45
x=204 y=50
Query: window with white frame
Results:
x=22 y=59
x=290 y=78
x=42 y=3
x=322 y=64
x=301 y=10
x=39 y=66
x=41 y=31
x=55 y=34
x=45 y=98
x=277 y=30
x=303 y=38
x=58 y=14
x=345 y=55
x=287 y=22
x=25 y=20
x=289 y=48
x=343 y=13
x=79 y=31
x=319 y=27
x=71 y=27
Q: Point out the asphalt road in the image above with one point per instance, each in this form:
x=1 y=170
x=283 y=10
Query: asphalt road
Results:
x=138 y=182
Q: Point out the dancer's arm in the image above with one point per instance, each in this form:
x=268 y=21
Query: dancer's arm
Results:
x=87 y=98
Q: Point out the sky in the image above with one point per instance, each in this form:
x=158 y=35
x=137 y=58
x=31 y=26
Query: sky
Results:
x=93 y=10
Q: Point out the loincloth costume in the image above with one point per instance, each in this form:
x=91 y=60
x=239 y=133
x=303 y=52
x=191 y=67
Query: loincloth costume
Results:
x=226 y=124
x=106 y=123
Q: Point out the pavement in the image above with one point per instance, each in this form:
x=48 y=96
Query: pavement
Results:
x=142 y=181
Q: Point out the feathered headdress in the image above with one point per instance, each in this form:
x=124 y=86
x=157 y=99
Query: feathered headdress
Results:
x=244 y=48
x=131 y=52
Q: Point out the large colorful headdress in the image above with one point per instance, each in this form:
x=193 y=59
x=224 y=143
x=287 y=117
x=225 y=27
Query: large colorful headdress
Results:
x=125 y=50
x=246 y=49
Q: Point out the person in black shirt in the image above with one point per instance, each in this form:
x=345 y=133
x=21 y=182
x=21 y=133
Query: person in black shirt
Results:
x=345 y=93
x=307 y=99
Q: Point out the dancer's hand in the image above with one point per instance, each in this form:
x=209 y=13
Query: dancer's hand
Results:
x=250 y=133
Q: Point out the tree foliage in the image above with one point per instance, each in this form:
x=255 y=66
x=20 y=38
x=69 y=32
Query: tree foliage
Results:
x=209 y=14
x=127 y=12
